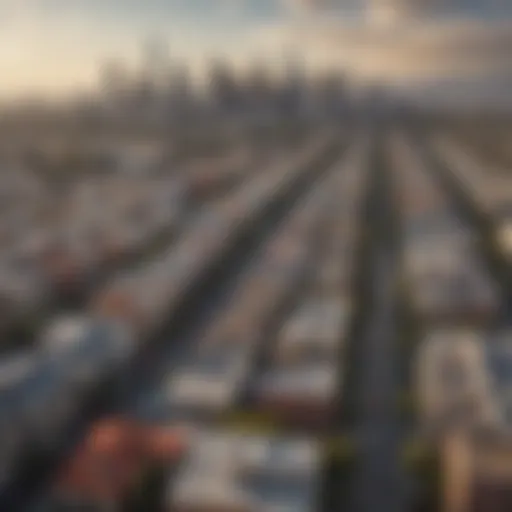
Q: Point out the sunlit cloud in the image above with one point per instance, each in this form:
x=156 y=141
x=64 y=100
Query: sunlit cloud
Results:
x=392 y=53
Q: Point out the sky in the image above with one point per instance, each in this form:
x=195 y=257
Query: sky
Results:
x=53 y=46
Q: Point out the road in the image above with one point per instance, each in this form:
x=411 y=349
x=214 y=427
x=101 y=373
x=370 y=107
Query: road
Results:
x=471 y=212
x=379 y=482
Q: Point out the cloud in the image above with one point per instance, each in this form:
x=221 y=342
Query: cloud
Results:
x=408 y=51
x=308 y=5
x=391 y=12
x=398 y=7
x=313 y=9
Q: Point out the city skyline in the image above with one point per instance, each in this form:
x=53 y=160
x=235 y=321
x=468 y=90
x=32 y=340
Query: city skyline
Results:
x=55 y=46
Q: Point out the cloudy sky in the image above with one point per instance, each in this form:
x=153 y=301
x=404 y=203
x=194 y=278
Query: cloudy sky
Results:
x=56 y=45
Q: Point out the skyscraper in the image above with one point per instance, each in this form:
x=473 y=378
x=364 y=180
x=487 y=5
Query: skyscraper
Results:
x=223 y=87
x=155 y=61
